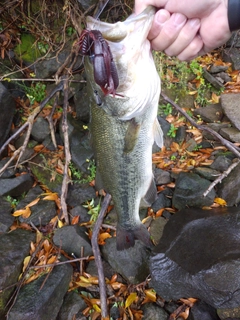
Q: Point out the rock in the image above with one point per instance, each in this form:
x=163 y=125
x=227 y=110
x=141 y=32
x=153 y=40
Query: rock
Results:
x=231 y=134
x=161 y=176
x=42 y=213
x=81 y=101
x=81 y=212
x=217 y=84
x=189 y=191
x=233 y=56
x=229 y=189
x=9 y=172
x=7 y=109
x=199 y=256
x=230 y=105
x=71 y=239
x=218 y=69
x=163 y=200
x=223 y=77
x=79 y=194
x=152 y=311
x=216 y=127
x=210 y=113
x=157 y=227
x=221 y=163
x=15 y=187
x=14 y=247
x=207 y=173
x=80 y=150
x=202 y=311
x=234 y=41
x=45 y=174
x=40 y=129
x=132 y=264
x=230 y=314
x=42 y=298
x=72 y=304
x=6 y=218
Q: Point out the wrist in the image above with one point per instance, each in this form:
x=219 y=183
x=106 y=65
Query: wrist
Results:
x=234 y=14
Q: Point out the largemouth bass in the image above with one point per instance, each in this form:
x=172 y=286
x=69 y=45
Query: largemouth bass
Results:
x=124 y=125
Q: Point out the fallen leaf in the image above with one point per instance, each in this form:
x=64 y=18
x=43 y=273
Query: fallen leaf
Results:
x=130 y=299
x=220 y=201
x=25 y=213
x=151 y=294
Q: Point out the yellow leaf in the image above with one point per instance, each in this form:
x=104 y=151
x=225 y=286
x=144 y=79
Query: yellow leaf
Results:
x=51 y=196
x=53 y=259
x=39 y=236
x=26 y=262
x=215 y=98
x=33 y=202
x=96 y=308
x=220 y=201
x=60 y=224
x=25 y=213
x=151 y=294
x=130 y=299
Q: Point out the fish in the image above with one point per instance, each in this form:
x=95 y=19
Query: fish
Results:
x=124 y=125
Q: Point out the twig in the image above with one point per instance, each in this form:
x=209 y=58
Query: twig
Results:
x=221 y=177
x=59 y=263
x=225 y=142
x=59 y=87
x=97 y=255
x=66 y=178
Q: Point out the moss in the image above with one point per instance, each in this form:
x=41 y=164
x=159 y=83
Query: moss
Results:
x=27 y=50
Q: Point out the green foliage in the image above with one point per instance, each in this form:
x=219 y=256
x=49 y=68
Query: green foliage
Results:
x=70 y=31
x=92 y=209
x=43 y=47
x=79 y=176
x=172 y=131
x=165 y=109
x=36 y=92
x=12 y=201
x=27 y=50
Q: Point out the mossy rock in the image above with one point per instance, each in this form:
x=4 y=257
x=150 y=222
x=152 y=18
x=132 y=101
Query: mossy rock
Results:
x=27 y=51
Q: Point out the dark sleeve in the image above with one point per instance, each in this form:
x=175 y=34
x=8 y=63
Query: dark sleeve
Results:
x=234 y=14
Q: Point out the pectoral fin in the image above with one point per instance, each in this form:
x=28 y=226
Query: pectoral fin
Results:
x=131 y=136
x=158 y=134
x=150 y=196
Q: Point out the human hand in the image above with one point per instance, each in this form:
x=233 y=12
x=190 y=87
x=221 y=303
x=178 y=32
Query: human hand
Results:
x=187 y=28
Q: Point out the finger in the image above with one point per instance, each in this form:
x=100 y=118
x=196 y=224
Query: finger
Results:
x=160 y=19
x=192 y=51
x=140 y=5
x=185 y=37
x=168 y=32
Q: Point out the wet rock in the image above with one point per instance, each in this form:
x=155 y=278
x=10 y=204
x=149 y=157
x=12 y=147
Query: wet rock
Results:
x=157 y=227
x=152 y=311
x=161 y=176
x=163 y=200
x=231 y=134
x=210 y=113
x=221 y=163
x=189 y=191
x=9 y=172
x=217 y=69
x=230 y=314
x=40 y=129
x=46 y=175
x=217 y=84
x=203 y=311
x=216 y=127
x=199 y=256
x=229 y=189
x=81 y=212
x=223 y=77
x=6 y=218
x=14 y=247
x=15 y=187
x=207 y=173
x=29 y=151
x=72 y=304
x=81 y=151
x=79 y=194
x=41 y=213
x=232 y=55
x=42 y=298
x=230 y=105
x=72 y=239
x=132 y=264
x=7 y=109
x=81 y=101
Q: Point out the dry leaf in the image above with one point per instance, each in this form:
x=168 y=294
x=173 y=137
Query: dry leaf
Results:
x=220 y=201
x=25 y=213
x=130 y=299
x=151 y=294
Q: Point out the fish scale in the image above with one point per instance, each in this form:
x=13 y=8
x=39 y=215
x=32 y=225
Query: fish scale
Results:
x=123 y=127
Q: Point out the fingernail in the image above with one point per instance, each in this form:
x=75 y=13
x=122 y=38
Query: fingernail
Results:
x=179 y=18
x=194 y=22
x=162 y=16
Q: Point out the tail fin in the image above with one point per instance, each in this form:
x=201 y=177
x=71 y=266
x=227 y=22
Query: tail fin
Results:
x=126 y=237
